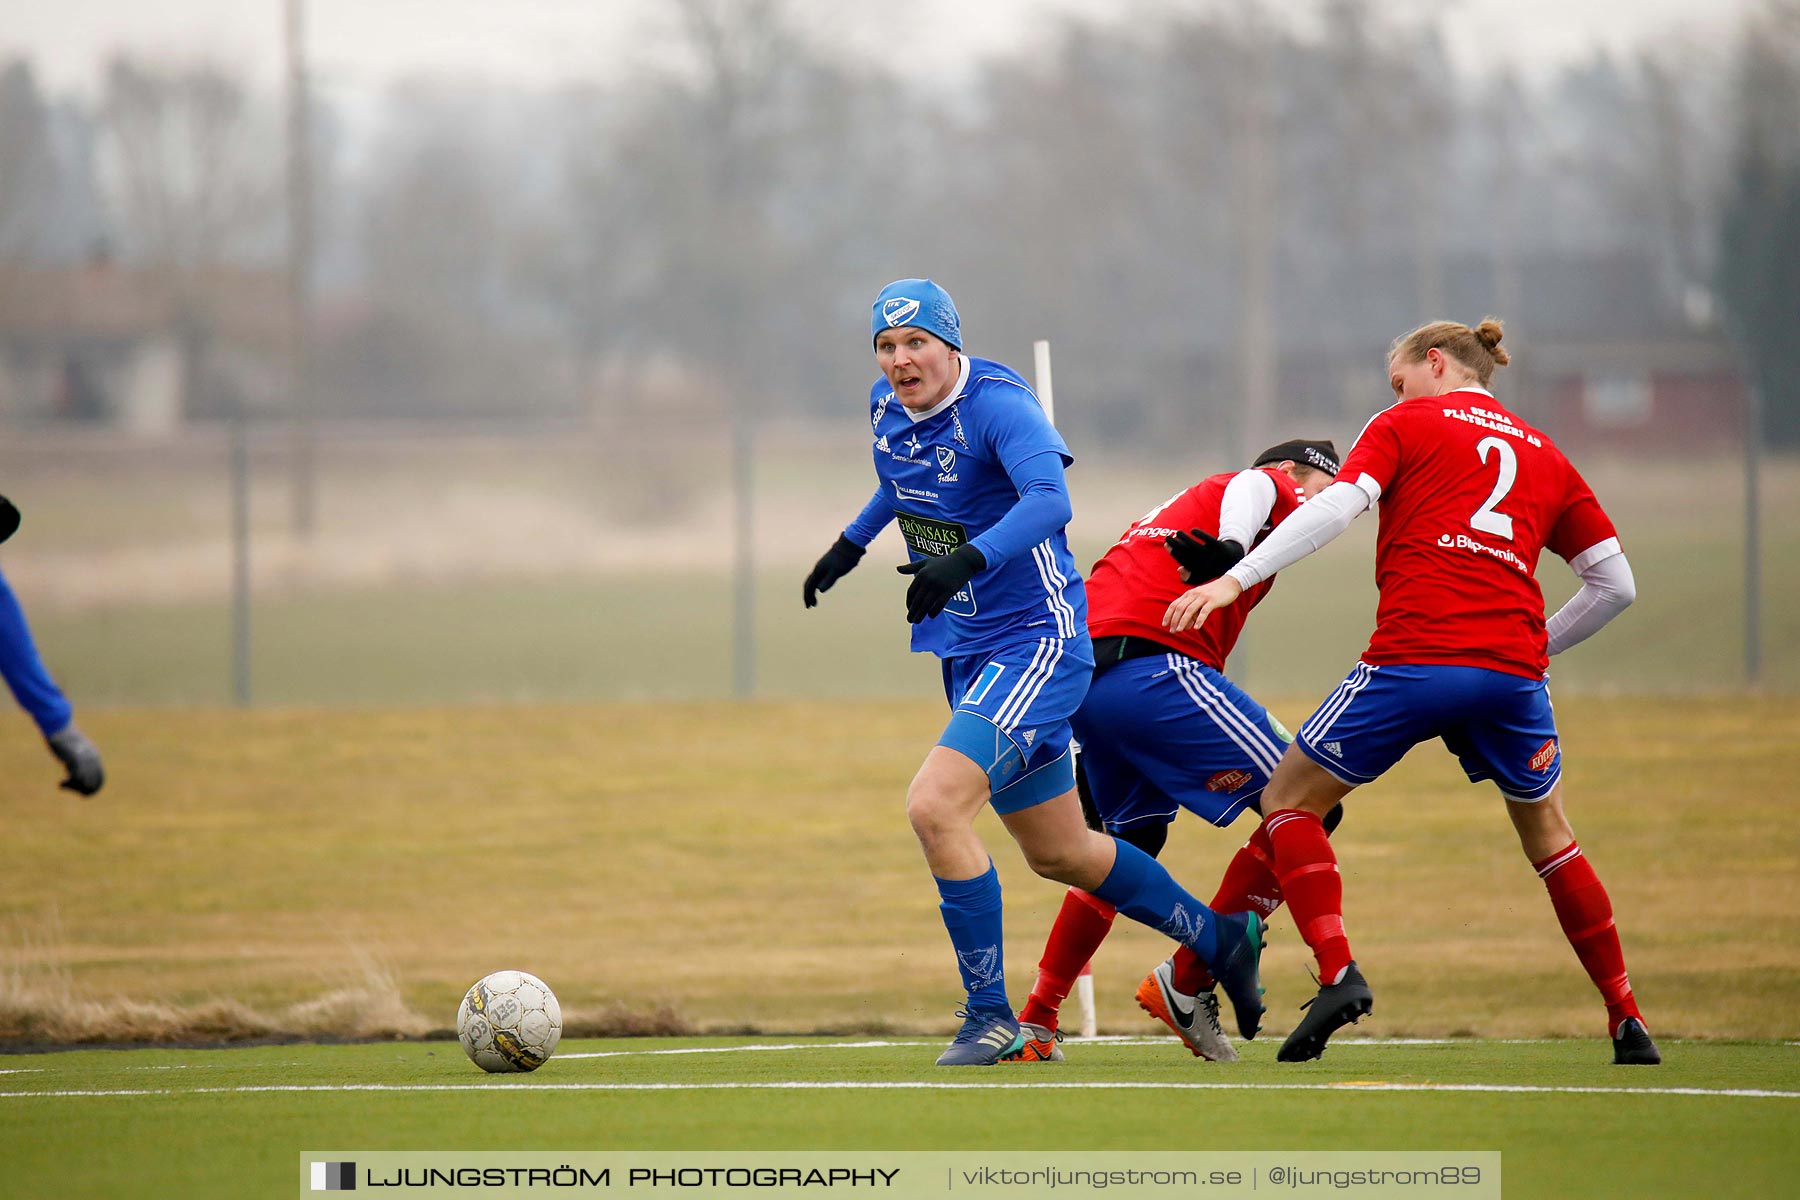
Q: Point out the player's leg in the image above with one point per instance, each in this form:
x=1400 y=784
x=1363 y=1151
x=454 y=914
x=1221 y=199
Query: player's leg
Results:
x=1006 y=744
x=1515 y=744
x=1058 y=845
x=974 y=757
x=941 y=805
x=1364 y=727
x=1191 y=738
x=1248 y=884
x=1226 y=746
x=1585 y=912
x=1115 y=798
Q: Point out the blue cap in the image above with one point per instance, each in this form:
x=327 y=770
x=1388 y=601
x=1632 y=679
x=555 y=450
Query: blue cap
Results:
x=919 y=303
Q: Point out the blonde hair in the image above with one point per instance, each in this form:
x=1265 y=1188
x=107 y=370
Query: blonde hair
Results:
x=1478 y=349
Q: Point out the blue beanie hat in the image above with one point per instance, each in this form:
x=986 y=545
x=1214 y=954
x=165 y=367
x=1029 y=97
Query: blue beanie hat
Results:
x=919 y=303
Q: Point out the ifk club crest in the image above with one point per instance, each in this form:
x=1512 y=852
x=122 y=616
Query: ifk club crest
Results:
x=946 y=460
x=897 y=311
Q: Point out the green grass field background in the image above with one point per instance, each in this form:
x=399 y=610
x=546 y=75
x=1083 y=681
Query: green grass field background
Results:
x=181 y=1113
x=748 y=866
x=489 y=734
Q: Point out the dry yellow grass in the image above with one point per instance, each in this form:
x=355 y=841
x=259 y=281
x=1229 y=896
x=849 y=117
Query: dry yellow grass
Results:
x=720 y=866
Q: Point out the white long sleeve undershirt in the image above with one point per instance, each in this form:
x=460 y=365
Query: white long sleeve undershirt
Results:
x=1607 y=589
x=1607 y=584
x=1245 y=507
x=1315 y=523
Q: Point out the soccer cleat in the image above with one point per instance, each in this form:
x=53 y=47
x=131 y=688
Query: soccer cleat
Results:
x=984 y=1039
x=1632 y=1045
x=1237 y=970
x=1036 y=1044
x=1195 y=1019
x=1336 y=1005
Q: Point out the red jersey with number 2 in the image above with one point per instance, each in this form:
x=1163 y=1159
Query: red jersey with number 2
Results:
x=1133 y=584
x=1470 y=496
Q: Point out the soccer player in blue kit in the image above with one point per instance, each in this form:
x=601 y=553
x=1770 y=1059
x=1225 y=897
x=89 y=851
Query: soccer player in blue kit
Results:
x=971 y=469
x=35 y=691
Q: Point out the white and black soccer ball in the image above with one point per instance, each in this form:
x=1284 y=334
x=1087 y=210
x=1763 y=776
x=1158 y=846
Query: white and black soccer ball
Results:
x=509 y=1021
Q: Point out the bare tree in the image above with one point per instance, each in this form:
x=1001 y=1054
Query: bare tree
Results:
x=28 y=167
x=193 y=189
x=191 y=183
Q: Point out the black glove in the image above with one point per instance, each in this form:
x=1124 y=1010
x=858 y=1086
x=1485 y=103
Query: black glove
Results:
x=1202 y=556
x=81 y=758
x=838 y=562
x=936 y=580
x=9 y=519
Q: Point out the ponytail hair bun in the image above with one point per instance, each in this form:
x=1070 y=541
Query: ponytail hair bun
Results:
x=1488 y=333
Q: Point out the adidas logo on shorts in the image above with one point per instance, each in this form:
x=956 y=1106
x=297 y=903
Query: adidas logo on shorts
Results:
x=1335 y=749
x=1028 y=735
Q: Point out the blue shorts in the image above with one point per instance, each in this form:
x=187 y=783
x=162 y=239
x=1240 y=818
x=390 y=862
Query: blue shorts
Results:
x=1500 y=726
x=1166 y=732
x=1011 y=716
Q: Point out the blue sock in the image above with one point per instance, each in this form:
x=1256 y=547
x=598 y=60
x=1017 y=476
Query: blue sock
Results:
x=1142 y=889
x=971 y=911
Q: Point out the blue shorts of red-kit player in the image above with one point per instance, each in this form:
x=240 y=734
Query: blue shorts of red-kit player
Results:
x=1165 y=732
x=1011 y=716
x=1500 y=726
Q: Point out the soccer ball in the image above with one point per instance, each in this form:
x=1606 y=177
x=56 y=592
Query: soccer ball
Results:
x=509 y=1021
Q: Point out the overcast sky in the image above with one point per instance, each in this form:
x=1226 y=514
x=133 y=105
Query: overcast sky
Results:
x=366 y=43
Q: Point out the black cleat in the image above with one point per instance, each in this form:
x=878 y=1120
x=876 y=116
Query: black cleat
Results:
x=1336 y=1005
x=1238 y=973
x=1632 y=1045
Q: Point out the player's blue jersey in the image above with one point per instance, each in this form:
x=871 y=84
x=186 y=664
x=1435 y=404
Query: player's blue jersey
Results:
x=945 y=473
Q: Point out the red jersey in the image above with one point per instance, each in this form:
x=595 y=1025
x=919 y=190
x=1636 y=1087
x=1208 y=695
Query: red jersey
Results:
x=1133 y=584
x=1470 y=496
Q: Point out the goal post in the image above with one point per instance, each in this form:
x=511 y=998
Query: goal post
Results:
x=1046 y=394
x=1040 y=359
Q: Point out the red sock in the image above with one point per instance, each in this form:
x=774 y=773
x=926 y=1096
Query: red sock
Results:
x=1080 y=927
x=1585 y=912
x=1307 y=868
x=1249 y=884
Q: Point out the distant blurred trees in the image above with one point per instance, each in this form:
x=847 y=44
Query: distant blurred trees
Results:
x=28 y=167
x=189 y=169
x=1759 y=260
x=1171 y=199
x=189 y=175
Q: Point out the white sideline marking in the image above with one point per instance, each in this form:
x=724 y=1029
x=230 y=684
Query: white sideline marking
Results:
x=210 y=1066
x=1105 y=1040
x=735 y=1049
x=916 y=1085
x=24 y=1071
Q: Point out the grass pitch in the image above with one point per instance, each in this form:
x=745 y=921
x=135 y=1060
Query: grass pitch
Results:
x=1716 y=1119
x=723 y=868
x=749 y=868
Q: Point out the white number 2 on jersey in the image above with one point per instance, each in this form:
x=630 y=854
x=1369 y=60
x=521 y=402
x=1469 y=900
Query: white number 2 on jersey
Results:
x=1153 y=513
x=1487 y=519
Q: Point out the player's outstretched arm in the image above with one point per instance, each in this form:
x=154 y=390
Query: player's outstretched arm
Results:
x=1194 y=605
x=81 y=757
x=1317 y=522
x=847 y=551
x=1245 y=507
x=1607 y=589
x=1201 y=556
x=832 y=566
x=38 y=694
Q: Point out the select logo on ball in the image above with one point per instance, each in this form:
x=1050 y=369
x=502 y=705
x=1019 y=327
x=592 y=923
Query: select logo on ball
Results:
x=509 y=1021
